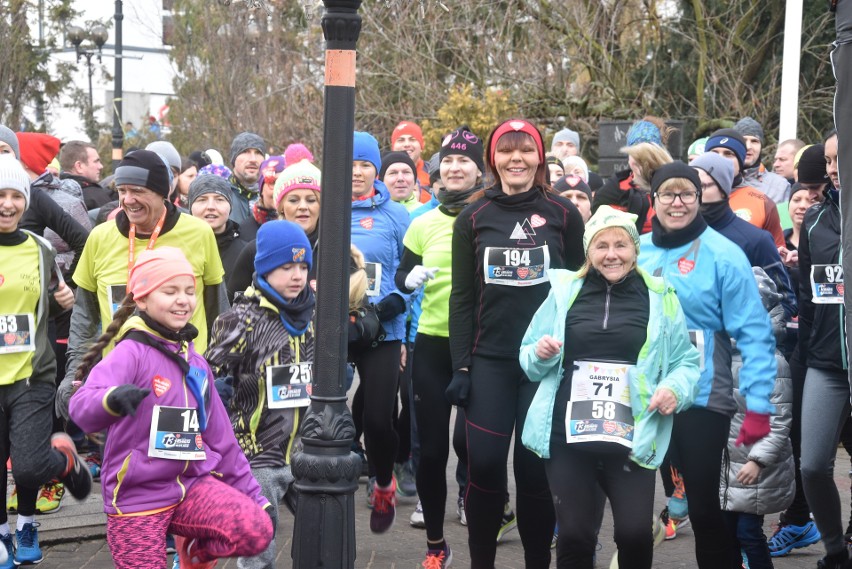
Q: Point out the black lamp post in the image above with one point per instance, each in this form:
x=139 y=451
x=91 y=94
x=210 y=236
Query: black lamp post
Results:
x=326 y=470
x=117 y=95
x=98 y=36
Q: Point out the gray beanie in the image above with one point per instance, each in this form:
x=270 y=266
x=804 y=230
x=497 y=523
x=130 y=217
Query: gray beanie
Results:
x=717 y=167
x=7 y=136
x=244 y=141
x=167 y=152
x=566 y=134
x=13 y=177
x=749 y=127
x=209 y=184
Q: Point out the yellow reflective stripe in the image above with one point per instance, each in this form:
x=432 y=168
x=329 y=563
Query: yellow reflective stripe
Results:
x=122 y=472
x=104 y=402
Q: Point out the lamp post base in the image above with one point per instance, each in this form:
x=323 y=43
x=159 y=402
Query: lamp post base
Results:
x=327 y=473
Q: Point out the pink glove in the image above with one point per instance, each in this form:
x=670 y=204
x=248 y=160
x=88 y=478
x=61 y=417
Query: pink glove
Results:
x=755 y=427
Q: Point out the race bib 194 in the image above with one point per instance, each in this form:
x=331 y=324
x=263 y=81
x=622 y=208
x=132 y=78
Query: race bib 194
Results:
x=516 y=267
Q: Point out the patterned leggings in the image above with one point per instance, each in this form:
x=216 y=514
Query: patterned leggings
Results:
x=225 y=522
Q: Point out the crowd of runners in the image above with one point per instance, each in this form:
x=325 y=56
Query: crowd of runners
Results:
x=681 y=319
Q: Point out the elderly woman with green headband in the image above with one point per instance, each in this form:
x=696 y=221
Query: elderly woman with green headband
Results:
x=612 y=352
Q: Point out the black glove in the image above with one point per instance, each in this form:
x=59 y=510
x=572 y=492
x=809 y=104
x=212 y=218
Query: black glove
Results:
x=367 y=325
x=392 y=306
x=124 y=399
x=458 y=390
x=225 y=388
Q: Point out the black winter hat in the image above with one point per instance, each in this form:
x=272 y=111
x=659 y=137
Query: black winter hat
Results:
x=146 y=169
x=571 y=182
x=395 y=158
x=676 y=169
x=812 y=165
x=463 y=141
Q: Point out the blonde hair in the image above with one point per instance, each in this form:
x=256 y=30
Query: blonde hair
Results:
x=679 y=183
x=587 y=264
x=357 y=279
x=648 y=157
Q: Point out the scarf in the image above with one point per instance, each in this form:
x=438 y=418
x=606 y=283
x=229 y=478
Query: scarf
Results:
x=295 y=314
x=671 y=239
x=186 y=334
x=261 y=214
x=716 y=213
x=455 y=201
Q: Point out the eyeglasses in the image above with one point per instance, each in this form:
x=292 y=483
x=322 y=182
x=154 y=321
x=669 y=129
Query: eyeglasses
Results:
x=686 y=198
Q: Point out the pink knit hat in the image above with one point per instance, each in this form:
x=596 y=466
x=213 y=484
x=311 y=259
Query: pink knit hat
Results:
x=156 y=266
x=299 y=176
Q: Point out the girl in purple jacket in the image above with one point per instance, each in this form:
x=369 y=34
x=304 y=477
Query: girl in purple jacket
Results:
x=171 y=462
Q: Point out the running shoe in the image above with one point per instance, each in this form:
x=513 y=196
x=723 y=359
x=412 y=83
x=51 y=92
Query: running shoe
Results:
x=12 y=501
x=27 y=551
x=460 y=511
x=405 y=483
x=671 y=524
x=50 y=498
x=384 y=508
x=187 y=550
x=835 y=561
x=438 y=558
x=417 y=520
x=77 y=478
x=93 y=460
x=508 y=523
x=7 y=552
x=790 y=537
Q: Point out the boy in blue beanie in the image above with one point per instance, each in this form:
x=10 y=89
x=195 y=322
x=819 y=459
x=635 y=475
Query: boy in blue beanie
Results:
x=262 y=352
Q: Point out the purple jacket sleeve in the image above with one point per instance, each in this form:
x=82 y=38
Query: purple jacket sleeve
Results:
x=88 y=408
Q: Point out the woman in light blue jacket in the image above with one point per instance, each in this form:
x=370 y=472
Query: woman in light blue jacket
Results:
x=618 y=338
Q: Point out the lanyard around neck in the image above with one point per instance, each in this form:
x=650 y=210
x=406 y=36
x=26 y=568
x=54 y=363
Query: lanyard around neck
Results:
x=131 y=235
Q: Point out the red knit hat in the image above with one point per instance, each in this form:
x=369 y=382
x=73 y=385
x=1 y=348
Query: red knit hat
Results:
x=408 y=128
x=37 y=150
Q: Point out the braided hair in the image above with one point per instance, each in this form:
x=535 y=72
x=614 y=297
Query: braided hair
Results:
x=94 y=354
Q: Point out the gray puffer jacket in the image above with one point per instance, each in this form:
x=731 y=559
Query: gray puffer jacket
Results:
x=775 y=486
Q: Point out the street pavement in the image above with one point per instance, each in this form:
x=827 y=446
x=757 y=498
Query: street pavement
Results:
x=74 y=536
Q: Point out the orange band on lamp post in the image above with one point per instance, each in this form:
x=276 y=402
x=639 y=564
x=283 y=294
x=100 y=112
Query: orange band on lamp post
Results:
x=340 y=68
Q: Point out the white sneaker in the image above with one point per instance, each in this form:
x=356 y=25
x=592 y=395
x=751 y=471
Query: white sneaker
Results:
x=460 y=511
x=417 y=520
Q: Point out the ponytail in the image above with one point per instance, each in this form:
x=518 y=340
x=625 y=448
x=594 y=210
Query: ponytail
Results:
x=357 y=279
x=93 y=355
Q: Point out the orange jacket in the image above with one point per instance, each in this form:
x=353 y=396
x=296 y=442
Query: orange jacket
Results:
x=755 y=207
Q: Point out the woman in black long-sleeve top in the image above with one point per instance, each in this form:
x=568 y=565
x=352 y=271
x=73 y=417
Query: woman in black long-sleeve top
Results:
x=503 y=244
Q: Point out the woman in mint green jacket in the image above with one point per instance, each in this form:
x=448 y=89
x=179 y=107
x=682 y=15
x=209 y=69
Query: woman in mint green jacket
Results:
x=611 y=351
